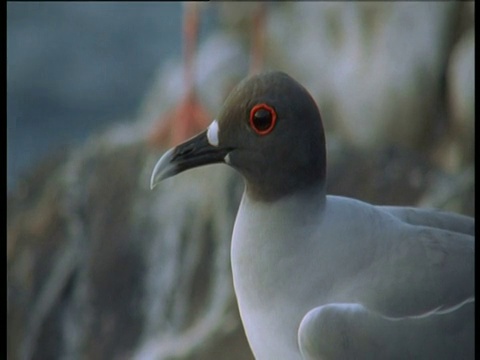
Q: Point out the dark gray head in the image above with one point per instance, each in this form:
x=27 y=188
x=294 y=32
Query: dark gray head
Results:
x=269 y=129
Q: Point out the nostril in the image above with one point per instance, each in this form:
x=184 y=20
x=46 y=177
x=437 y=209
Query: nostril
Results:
x=186 y=150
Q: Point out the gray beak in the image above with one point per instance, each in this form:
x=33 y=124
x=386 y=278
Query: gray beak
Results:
x=191 y=154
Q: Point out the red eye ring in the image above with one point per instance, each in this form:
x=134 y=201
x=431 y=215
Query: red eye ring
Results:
x=264 y=122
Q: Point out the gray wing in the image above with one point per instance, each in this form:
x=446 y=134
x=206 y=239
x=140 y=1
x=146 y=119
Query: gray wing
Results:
x=426 y=270
x=433 y=218
x=429 y=267
x=418 y=300
x=350 y=331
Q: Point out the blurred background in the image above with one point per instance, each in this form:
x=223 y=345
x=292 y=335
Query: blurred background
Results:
x=74 y=69
x=100 y=267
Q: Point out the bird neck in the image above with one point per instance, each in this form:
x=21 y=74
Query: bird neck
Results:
x=307 y=198
x=274 y=184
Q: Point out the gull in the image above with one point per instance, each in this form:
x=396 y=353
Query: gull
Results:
x=328 y=277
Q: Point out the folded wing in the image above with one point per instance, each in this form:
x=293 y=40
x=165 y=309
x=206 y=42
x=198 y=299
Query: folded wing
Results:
x=416 y=300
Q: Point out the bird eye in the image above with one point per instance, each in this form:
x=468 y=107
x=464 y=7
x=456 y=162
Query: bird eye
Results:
x=262 y=119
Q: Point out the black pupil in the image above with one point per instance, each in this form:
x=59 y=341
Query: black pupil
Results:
x=262 y=119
